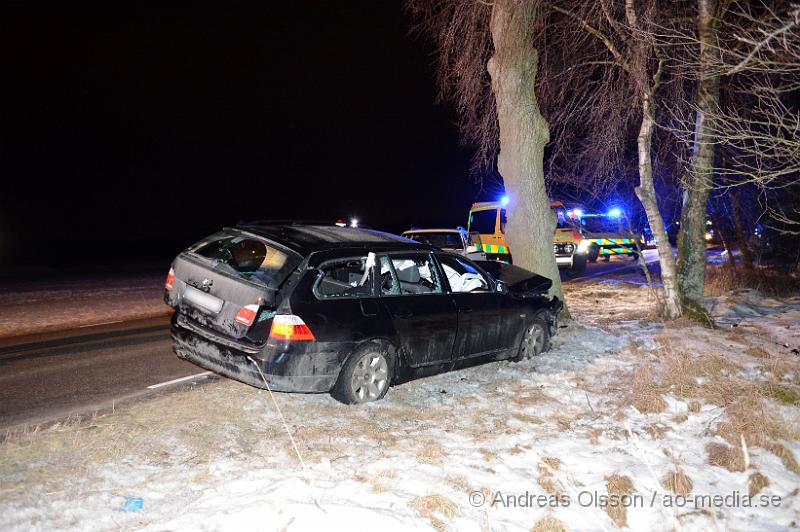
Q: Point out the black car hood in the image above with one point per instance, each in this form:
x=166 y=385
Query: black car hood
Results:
x=517 y=279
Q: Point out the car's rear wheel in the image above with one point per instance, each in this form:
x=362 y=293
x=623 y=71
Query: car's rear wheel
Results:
x=535 y=340
x=365 y=376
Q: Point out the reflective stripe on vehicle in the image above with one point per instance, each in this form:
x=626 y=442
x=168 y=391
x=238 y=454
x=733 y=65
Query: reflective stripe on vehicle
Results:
x=611 y=241
x=492 y=248
x=615 y=251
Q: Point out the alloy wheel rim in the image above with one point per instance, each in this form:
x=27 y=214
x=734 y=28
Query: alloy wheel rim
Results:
x=370 y=377
x=534 y=341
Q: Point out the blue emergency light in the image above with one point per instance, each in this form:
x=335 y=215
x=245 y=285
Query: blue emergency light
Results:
x=504 y=200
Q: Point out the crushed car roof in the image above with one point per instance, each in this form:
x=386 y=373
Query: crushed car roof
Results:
x=309 y=238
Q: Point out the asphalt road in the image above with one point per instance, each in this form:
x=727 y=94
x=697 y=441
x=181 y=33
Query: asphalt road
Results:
x=51 y=376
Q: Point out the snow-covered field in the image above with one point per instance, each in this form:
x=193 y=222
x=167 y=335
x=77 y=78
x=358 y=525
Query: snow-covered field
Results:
x=626 y=422
x=64 y=304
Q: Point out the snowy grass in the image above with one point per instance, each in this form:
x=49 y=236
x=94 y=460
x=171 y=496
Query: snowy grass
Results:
x=623 y=406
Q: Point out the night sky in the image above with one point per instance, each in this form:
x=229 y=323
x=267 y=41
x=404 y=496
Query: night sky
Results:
x=127 y=135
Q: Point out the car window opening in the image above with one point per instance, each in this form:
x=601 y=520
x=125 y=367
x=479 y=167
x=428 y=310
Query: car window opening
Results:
x=409 y=275
x=347 y=278
x=247 y=257
x=462 y=276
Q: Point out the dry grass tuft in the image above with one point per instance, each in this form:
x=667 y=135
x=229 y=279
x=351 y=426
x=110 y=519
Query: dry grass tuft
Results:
x=378 y=483
x=488 y=455
x=552 y=462
x=678 y=482
x=756 y=483
x=431 y=453
x=758 y=352
x=723 y=279
x=526 y=418
x=458 y=482
x=434 y=505
x=547 y=469
x=549 y=524
x=618 y=486
x=656 y=430
x=645 y=394
x=725 y=456
x=680 y=418
x=708 y=377
x=749 y=416
x=786 y=456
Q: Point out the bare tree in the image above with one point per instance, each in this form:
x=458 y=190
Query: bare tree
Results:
x=614 y=69
x=700 y=174
x=488 y=66
x=753 y=50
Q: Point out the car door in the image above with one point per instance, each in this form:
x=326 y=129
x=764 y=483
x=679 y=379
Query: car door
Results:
x=423 y=315
x=478 y=306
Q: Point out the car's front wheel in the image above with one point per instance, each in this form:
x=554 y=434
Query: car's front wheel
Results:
x=594 y=252
x=535 y=340
x=578 y=267
x=365 y=376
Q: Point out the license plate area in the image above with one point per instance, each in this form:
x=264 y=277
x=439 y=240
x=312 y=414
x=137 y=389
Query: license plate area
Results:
x=203 y=301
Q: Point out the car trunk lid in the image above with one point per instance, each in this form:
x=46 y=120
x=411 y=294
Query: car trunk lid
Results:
x=219 y=282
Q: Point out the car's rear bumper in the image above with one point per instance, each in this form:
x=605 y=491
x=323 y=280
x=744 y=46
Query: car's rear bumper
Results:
x=287 y=368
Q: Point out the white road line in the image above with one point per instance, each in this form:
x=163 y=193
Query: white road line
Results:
x=97 y=324
x=197 y=376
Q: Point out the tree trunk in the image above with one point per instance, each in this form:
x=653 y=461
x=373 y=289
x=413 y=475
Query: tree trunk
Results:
x=523 y=135
x=646 y=192
x=691 y=239
x=747 y=258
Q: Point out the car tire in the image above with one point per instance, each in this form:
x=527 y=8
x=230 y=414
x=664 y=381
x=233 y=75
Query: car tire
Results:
x=578 y=267
x=366 y=376
x=535 y=339
x=594 y=252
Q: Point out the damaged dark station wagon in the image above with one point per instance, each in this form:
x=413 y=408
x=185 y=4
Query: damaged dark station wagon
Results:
x=315 y=308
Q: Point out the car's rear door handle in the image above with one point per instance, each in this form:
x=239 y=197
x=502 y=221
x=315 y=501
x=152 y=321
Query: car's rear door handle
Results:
x=403 y=314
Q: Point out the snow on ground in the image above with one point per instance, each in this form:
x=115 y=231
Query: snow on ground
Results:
x=597 y=434
x=36 y=307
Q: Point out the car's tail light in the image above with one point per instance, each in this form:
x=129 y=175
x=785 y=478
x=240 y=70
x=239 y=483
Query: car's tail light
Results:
x=576 y=235
x=246 y=315
x=170 y=279
x=289 y=327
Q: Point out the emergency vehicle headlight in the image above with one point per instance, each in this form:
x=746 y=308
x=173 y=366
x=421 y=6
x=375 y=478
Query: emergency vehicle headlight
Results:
x=583 y=246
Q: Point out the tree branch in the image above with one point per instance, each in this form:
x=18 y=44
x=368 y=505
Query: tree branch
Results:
x=618 y=56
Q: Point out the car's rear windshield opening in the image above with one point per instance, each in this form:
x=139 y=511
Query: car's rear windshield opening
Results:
x=248 y=257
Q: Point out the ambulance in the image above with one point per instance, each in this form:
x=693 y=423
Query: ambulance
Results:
x=607 y=234
x=487 y=224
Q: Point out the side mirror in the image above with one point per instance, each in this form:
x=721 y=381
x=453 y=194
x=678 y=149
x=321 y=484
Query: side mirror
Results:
x=472 y=249
x=500 y=287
